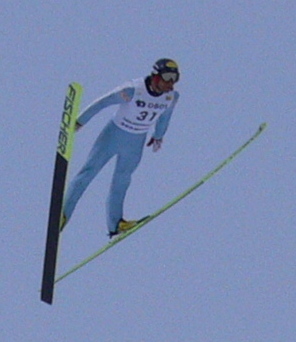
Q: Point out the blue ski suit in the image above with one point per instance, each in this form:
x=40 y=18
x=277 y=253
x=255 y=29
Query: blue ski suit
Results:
x=124 y=137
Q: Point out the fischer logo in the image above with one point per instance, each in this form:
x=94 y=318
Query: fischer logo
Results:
x=66 y=120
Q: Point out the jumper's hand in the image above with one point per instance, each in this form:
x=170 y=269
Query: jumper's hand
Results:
x=156 y=144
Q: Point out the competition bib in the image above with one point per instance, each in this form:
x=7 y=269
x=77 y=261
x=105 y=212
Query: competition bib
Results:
x=138 y=115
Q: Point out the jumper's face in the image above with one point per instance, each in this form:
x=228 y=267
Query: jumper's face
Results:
x=165 y=86
x=162 y=86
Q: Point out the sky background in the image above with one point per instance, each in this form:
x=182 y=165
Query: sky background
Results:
x=219 y=266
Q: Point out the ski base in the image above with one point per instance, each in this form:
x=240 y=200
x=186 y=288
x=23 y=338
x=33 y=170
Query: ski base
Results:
x=63 y=156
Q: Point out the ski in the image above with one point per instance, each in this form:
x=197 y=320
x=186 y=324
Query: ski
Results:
x=151 y=217
x=63 y=156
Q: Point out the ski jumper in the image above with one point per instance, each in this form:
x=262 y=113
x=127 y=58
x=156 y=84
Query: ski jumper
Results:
x=124 y=137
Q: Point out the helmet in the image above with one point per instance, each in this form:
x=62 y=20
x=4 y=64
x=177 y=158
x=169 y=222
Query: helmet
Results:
x=165 y=65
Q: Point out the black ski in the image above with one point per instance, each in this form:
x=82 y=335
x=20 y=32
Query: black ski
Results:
x=63 y=156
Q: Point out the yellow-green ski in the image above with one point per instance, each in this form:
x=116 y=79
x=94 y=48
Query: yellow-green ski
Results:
x=146 y=220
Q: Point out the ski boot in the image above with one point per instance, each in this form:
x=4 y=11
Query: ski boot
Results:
x=123 y=226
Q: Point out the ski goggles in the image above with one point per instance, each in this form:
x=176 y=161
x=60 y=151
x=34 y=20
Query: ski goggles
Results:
x=170 y=76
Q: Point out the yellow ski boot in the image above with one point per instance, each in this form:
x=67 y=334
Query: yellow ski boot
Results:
x=124 y=226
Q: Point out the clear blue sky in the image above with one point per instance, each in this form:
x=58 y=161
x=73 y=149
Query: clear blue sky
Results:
x=220 y=266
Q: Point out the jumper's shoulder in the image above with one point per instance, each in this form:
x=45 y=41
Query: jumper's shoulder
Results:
x=173 y=96
x=127 y=93
x=176 y=95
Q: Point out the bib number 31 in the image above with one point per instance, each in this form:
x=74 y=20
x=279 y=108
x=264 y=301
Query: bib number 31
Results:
x=144 y=115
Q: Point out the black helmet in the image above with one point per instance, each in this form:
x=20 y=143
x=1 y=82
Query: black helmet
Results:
x=166 y=65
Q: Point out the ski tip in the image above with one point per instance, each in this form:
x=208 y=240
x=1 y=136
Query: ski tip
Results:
x=262 y=126
x=76 y=85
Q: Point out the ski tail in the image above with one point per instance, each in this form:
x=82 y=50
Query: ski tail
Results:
x=63 y=157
